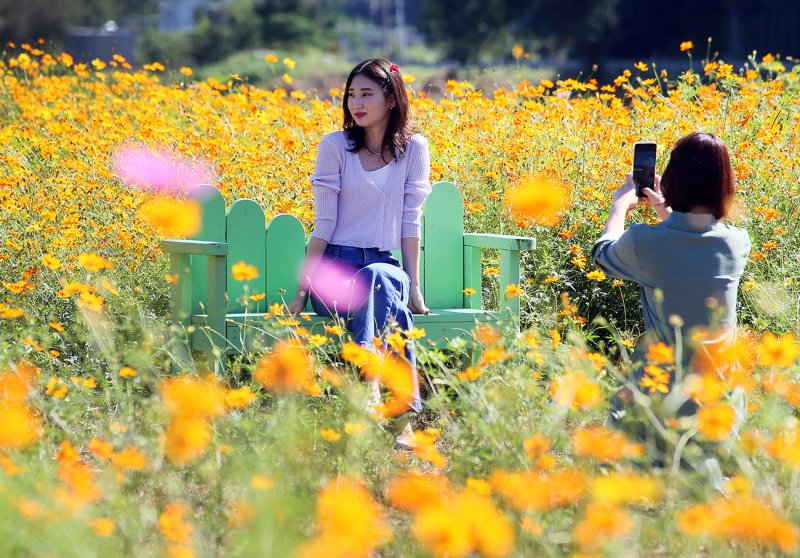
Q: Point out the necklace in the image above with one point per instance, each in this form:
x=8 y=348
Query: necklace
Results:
x=370 y=150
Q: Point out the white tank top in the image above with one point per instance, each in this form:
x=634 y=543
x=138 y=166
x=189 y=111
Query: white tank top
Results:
x=379 y=176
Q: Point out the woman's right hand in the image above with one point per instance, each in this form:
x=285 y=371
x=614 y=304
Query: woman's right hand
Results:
x=656 y=199
x=298 y=302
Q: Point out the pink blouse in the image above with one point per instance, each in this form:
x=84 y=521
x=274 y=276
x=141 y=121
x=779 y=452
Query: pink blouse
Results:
x=351 y=210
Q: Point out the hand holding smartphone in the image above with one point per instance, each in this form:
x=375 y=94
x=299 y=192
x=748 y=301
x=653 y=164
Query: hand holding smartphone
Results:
x=644 y=166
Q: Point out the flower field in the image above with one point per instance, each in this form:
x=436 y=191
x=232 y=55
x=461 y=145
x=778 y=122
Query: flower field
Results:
x=106 y=450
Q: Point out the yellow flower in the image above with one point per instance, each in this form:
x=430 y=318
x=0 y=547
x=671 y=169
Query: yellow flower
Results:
x=186 y=71
x=132 y=459
x=19 y=425
x=56 y=387
x=270 y=59
x=740 y=519
x=102 y=527
x=171 y=217
x=604 y=445
x=172 y=524
x=191 y=396
x=241 y=271
x=540 y=199
x=686 y=45
x=470 y=374
x=596 y=275
x=716 y=421
x=330 y=435
x=626 y=488
x=335 y=329
x=288 y=368
x=492 y=271
x=778 y=351
x=513 y=290
x=186 y=438
x=94 y=263
x=128 y=372
x=287 y=79
x=536 y=446
x=660 y=353
x=537 y=490
x=349 y=523
x=599 y=523
x=10 y=313
x=469 y=292
x=289 y=63
x=239 y=398
x=655 y=379
x=574 y=390
x=261 y=482
x=410 y=491
x=50 y=261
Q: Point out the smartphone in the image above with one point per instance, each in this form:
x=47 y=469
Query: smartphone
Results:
x=644 y=166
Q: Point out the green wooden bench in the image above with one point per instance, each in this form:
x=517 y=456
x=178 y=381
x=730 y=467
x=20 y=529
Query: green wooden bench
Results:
x=210 y=305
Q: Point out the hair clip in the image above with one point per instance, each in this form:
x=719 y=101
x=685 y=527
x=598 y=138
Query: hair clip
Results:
x=394 y=68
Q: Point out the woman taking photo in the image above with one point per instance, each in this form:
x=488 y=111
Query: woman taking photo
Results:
x=370 y=181
x=688 y=265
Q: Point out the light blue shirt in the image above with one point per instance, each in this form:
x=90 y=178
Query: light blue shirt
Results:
x=695 y=261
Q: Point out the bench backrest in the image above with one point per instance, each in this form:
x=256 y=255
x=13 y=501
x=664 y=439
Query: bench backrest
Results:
x=277 y=249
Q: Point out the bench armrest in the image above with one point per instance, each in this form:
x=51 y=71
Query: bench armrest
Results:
x=510 y=247
x=180 y=252
x=196 y=247
x=501 y=241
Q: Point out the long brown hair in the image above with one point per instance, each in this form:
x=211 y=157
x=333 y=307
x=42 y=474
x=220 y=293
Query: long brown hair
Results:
x=398 y=129
x=699 y=175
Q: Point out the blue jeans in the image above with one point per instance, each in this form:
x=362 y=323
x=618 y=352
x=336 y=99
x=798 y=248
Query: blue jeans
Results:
x=386 y=287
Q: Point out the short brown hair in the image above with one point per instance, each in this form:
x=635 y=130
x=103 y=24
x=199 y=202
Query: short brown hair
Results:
x=399 y=129
x=699 y=175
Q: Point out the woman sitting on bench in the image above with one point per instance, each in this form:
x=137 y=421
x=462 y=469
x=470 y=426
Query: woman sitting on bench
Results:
x=369 y=185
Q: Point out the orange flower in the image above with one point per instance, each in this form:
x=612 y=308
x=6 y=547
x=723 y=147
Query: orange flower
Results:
x=414 y=491
x=574 y=390
x=288 y=368
x=686 y=45
x=540 y=199
x=660 y=353
x=396 y=376
x=603 y=444
x=19 y=425
x=350 y=523
x=716 y=421
x=239 y=398
x=190 y=396
x=94 y=263
x=186 y=438
x=130 y=458
x=171 y=217
x=778 y=351
x=241 y=271
x=538 y=491
x=172 y=524
x=17 y=382
x=599 y=523
x=740 y=519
